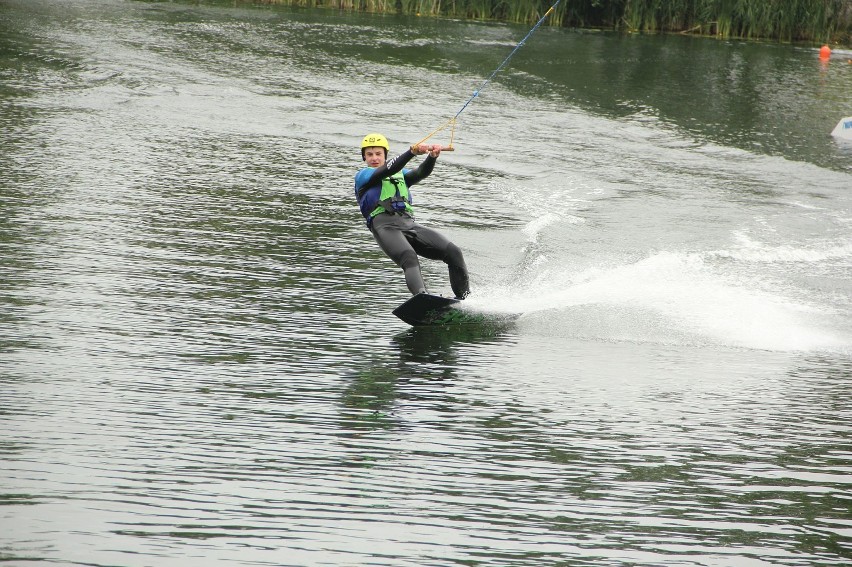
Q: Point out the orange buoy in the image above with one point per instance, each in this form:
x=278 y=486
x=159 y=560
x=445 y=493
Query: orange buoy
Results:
x=824 y=52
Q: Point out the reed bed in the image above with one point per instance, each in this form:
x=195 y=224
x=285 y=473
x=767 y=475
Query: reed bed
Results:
x=819 y=21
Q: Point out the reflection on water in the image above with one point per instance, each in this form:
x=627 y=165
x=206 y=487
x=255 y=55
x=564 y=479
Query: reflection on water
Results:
x=198 y=361
x=420 y=358
x=441 y=347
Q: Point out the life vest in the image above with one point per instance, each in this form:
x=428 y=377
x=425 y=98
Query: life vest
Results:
x=394 y=197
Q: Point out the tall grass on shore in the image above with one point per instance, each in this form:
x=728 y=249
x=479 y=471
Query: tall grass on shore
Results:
x=785 y=20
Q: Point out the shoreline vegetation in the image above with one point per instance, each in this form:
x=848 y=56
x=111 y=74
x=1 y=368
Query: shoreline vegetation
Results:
x=815 y=21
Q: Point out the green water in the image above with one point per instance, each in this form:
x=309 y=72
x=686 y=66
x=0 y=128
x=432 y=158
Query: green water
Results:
x=198 y=361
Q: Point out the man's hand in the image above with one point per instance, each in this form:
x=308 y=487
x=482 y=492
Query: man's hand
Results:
x=420 y=149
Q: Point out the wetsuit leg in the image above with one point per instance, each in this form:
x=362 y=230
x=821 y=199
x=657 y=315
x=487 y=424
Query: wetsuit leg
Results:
x=388 y=232
x=430 y=243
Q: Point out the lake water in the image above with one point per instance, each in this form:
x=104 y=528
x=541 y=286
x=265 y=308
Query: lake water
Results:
x=198 y=361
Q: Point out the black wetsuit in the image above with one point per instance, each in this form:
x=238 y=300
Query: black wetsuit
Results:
x=397 y=233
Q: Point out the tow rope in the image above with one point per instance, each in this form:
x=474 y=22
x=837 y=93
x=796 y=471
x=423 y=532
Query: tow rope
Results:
x=451 y=123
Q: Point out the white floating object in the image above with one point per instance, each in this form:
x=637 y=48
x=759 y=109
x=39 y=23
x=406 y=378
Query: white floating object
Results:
x=843 y=128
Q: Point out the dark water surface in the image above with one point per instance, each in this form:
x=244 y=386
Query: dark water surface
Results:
x=198 y=364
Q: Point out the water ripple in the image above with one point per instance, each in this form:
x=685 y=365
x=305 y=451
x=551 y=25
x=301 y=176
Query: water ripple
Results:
x=198 y=364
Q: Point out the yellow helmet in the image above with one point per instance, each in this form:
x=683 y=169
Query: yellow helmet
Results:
x=374 y=140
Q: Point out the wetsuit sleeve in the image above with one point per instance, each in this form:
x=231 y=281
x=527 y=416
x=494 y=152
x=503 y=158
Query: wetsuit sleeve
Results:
x=422 y=172
x=391 y=166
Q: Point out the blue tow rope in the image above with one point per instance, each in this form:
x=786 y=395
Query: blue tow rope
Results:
x=506 y=60
x=452 y=121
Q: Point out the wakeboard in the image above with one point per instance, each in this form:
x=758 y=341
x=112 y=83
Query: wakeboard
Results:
x=426 y=309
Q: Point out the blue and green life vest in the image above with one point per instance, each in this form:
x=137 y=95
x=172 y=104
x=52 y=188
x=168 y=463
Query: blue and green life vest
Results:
x=394 y=197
